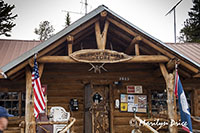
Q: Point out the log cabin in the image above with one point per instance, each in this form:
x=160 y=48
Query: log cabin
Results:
x=113 y=69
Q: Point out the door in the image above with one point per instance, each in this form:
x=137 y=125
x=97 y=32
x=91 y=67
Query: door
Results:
x=97 y=109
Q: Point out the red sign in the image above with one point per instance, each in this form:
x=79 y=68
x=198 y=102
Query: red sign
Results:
x=134 y=89
x=130 y=89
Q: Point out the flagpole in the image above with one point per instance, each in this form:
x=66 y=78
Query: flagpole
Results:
x=174 y=96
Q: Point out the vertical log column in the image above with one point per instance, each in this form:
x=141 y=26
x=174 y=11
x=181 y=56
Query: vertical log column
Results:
x=111 y=109
x=171 y=105
x=29 y=102
x=70 y=40
x=137 y=51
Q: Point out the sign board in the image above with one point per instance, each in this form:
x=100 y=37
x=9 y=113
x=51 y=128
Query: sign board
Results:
x=131 y=89
x=99 y=56
x=130 y=102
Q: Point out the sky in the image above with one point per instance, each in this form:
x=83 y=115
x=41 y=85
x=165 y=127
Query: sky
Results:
x=148 y=15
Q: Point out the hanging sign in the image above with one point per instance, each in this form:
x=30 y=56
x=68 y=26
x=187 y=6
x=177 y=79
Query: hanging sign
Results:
x=99 y=56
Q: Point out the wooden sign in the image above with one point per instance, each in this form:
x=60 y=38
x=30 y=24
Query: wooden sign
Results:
x=99 y=56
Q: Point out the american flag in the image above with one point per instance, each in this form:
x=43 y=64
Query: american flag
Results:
x=39 y=99
x=183 y=105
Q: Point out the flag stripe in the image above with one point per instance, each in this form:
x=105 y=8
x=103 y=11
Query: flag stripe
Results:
x=39 y=104
x=186 y=129
x=39 y=91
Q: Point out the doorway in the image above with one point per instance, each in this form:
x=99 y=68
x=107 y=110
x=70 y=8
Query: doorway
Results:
x=97 y=109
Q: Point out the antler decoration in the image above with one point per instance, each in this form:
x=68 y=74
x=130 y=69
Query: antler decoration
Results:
x=97 y=68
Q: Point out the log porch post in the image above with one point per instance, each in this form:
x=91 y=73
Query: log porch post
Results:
x=171 y=105
x=29 y=103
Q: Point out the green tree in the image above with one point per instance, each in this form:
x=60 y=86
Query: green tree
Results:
x=6 y=18
x=67 y=20
x=191 y=30
x=45 y=30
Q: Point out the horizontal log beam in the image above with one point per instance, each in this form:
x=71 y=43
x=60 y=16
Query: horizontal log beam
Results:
x=134 y=59
x=56 y=59
x=148 y=59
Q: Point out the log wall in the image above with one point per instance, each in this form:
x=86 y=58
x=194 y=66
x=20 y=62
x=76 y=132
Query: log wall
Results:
x=67 y=81
x=60 y=90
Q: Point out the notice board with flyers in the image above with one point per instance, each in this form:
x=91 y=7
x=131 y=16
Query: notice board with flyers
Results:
x=130 y=102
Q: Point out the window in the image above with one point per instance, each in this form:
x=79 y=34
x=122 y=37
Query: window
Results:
x=159 y=102
x=14 y=102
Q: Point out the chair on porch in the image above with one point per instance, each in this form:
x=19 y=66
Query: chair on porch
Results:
x=58 y=114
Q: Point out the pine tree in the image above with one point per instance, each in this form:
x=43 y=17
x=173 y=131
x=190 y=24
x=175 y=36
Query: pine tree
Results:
x=67 y=20
x=45 y=30
x=191 y=30
x=6 y=18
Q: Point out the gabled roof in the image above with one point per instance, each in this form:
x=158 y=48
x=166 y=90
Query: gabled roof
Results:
x=78 y=23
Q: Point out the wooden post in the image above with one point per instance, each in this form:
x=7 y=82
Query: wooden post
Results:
x=169 y=79
x=111 y=109
x=137 y=51
x=70 y=40
x=101 y=37
x=29 y=102
x=20 y=103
